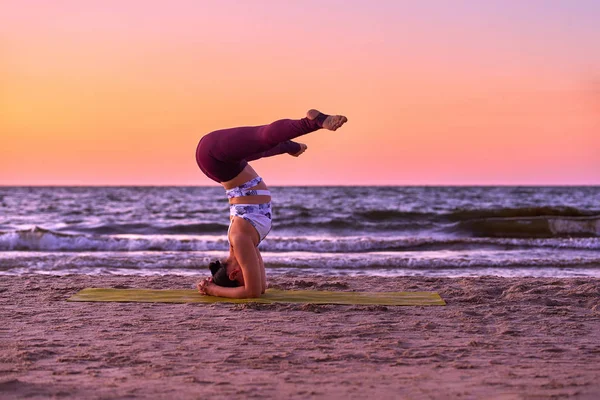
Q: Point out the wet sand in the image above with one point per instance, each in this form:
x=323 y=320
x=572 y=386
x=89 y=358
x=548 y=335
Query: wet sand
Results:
x=503 y=338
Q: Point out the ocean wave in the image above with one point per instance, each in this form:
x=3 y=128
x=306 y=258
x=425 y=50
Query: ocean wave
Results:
x=387 y=215
x=531 y=227
x=45 y=240
x=460 y=214
x=143 y=228
x=519 y=212
x=370 y=244
x=351 y=224
x=527 y=222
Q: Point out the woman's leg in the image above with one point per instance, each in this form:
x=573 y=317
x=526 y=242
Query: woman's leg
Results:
x=223 y=154
x=287 y=147
x=238 y=144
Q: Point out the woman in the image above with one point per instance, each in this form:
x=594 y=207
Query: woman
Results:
x=223 y=156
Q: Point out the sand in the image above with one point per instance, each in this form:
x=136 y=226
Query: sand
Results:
x=503 y=338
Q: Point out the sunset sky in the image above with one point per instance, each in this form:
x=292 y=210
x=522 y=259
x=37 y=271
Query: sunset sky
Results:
x=438 y=92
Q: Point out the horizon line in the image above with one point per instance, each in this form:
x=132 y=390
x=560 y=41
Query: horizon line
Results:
x=317 y=185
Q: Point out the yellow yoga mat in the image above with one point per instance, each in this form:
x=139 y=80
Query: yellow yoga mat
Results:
x=271 y=296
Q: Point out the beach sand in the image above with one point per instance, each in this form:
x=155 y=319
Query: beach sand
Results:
x=503 y=338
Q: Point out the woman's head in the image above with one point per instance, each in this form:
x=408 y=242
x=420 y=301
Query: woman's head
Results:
x=227 y=273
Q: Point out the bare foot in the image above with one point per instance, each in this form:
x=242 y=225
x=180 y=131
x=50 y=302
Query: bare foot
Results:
x=303 y=148
x=332 y=122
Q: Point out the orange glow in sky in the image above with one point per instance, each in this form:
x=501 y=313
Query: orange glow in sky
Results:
x=466 y=92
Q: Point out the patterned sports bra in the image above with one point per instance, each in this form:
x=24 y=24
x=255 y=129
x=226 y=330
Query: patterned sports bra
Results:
x=244 y=189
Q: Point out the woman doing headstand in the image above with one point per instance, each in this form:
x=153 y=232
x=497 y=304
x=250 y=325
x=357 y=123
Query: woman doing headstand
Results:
x=223 y=156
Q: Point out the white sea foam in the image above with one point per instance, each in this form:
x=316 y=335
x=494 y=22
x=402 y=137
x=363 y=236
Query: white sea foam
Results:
x=51 y=241
x=305 y=262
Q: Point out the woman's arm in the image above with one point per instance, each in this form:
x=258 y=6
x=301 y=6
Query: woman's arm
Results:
x=263 y=274
x=245 y=253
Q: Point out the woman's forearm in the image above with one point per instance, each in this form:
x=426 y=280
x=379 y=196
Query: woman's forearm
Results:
x=240 y=292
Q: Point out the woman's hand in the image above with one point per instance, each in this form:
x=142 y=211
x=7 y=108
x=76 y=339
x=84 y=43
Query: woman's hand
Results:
x=205 y=286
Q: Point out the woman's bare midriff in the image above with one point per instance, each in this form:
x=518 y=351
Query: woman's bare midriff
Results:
x=247 y=174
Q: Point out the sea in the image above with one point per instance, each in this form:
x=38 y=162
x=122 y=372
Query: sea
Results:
x=334 y=231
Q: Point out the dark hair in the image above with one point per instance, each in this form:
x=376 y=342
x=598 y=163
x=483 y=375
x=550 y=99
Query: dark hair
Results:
x=220 y=276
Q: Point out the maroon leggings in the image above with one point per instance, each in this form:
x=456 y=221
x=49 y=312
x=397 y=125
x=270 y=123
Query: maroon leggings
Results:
x=223 y=154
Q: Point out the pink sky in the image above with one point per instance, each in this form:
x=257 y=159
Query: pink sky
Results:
x=466 y=92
